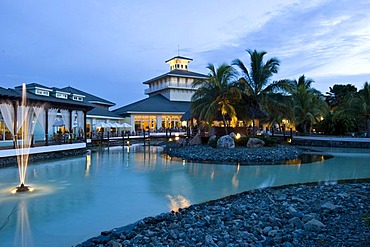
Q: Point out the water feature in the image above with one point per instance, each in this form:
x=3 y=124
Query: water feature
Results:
x=20 y=118
x=77 y=198
x=25 y=119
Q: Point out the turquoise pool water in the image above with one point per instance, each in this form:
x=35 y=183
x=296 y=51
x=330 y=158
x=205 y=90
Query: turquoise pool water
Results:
x=77 y=198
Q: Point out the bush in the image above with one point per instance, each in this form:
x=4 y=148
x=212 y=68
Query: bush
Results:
x=366 y=218
x=242 y=141
x=213 y=142
x=269 y=141
x=337 y=125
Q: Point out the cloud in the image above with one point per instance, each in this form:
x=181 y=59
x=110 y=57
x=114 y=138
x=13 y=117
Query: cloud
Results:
x=122 y=43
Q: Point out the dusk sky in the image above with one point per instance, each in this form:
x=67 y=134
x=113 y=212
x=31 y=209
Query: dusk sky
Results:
x=108 y=48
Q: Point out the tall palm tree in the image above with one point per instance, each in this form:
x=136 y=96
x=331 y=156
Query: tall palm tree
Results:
x=216 y=94
x=256 y=81
x=358 y=106
x=308 y=104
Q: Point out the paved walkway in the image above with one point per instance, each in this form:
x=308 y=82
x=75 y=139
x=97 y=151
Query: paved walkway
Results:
x=328 y=138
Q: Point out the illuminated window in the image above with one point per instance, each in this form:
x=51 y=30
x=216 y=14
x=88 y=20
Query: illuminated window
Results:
x=77 y=98
x=61 y=95
x=41 y=92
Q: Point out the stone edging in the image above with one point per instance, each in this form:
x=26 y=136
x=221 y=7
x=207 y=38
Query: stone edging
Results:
x=12 y=161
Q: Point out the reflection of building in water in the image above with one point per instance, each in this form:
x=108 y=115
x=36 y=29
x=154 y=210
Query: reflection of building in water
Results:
x=88 y=164
x=177 y=202
x=146 y=156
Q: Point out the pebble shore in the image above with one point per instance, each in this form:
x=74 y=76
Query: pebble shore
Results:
x=302 y=215
x=204 y=153
x=329 y=214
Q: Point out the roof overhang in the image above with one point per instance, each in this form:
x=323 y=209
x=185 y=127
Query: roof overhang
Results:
x=155 y=113
x=104 y=117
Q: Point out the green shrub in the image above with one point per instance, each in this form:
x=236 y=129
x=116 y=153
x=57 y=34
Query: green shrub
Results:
x=242 y=141
x=366 y=218
x=269 y=141
x=213 y=142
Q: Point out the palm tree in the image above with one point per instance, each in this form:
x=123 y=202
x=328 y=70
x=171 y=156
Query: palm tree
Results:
x=358 y=106
x=308 y=104
x=256 y=81
x=216 y=94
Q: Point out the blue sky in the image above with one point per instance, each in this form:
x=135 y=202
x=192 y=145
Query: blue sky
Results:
x=108 y=48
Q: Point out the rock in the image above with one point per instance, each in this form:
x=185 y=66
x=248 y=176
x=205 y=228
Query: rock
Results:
x=296 y=222
x=209 y=241
x=211 y=138
x=272 y=233
x=226 y=142
x=331 y=207
x=314 y=225
x=197 y=140
x=114 y=244
x=255 y=143
x=292 y=210
x=267 y=229
x=105 y=233
x=281 y=197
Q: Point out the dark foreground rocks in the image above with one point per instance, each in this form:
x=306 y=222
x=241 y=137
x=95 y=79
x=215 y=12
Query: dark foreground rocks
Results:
x=302 y=215
x=204 y=153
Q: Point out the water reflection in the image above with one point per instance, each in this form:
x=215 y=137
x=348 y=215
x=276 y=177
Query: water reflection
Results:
x=88 y=164
x=177 y=202
x=309 y=158
x=23 y=234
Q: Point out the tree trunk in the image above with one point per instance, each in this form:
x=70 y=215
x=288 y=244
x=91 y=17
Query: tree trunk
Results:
x=305 y=128
x=224 y=120
x=253 y=124
x=368 y=126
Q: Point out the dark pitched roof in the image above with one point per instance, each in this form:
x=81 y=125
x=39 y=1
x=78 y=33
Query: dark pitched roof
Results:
x=33 y=85
x=179 y=73
x=180 y=57
x=100 y=111
x=8 y=92
x=88 y=97
x=17 y=93
x=154 y=104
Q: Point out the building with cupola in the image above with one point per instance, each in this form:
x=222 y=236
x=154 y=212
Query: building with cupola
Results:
x=169 y=97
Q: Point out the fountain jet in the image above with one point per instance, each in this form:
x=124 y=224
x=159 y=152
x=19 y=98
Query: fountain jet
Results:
x=25 y=125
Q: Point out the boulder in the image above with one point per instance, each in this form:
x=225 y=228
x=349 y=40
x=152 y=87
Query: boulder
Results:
x=197 y=140
x=226 y=141
x=255 y=143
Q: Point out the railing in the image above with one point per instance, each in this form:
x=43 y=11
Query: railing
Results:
x=166 y=85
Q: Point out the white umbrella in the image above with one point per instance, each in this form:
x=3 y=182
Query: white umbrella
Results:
x=116 y=125
x=126 y=125
x=101 y=124
x=58 y=123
